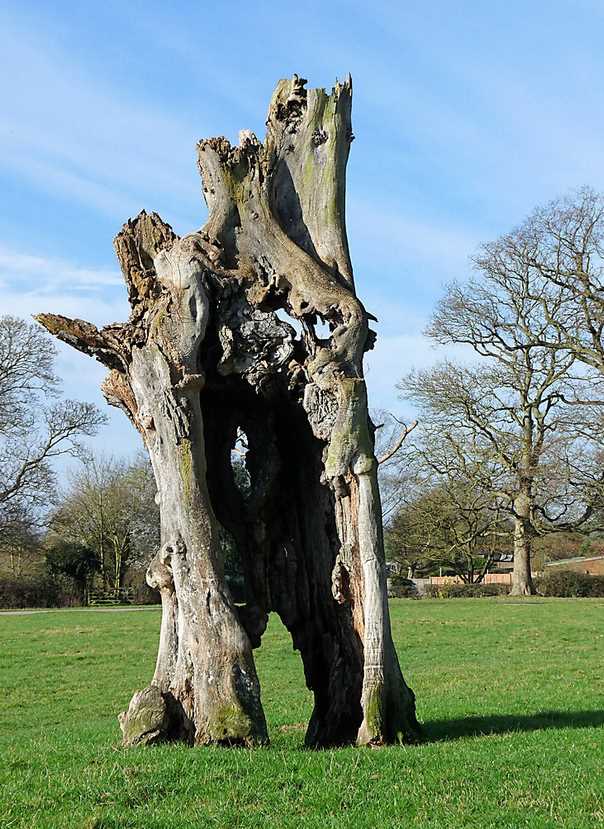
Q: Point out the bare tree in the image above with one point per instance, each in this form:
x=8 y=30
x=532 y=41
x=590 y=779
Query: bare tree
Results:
x=454 y=525
x=205 y=356
x=560 y=250
x=514 y=406
x=20 y=542
x=110 y=508
x=452 y=514
x=391 y=434
x=34 y=430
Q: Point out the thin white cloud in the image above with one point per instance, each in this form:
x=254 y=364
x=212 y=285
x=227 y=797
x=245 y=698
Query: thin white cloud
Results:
x=44 y=273
x=99 y=310
x=385 y=234
x=31 y=283
x=89 y=143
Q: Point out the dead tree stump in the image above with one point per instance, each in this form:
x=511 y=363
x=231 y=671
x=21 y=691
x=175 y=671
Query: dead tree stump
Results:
x=208 y=353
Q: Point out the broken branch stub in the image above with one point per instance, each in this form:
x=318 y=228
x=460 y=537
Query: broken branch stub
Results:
x=206 y=356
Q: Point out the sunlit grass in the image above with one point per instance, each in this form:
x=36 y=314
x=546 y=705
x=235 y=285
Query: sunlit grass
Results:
x=511 y=695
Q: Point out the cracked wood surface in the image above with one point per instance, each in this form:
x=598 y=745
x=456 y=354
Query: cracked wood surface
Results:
x=208 y=352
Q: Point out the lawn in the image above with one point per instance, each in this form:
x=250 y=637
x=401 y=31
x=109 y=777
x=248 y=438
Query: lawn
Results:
x=511 y=694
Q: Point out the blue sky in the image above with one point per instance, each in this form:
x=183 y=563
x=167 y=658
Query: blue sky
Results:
x=466 y=115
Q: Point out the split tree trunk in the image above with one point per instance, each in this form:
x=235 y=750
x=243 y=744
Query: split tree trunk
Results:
x=206 y=355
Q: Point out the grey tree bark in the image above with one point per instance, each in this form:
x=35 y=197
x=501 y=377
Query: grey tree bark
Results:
x=207 y=353
x=522 y=577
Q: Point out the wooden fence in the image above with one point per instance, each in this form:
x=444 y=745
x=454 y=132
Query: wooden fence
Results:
x=111 y=598
x=490 y=578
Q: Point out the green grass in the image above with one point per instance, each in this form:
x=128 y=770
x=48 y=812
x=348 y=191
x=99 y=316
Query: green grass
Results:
x=511 y=695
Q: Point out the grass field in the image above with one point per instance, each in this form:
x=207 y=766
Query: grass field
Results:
x=511 y=695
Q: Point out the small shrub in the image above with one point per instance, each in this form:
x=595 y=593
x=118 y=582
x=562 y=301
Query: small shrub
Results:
x=32 y=591
x=465 y=591
x=570 y=584
x=73 y=565
x=402 y=588
x=141 y=593
x=477 y=591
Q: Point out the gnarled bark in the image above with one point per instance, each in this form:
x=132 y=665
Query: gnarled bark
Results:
x=204 y=355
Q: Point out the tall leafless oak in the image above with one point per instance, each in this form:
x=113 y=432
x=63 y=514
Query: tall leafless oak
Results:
x=560 y=248
x=513 y=405
x=35 y=429
x=450 y=513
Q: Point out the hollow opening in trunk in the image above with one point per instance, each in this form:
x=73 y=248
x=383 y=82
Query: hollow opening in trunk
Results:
x=322 y=329
x=272 y=499
x=289 y=705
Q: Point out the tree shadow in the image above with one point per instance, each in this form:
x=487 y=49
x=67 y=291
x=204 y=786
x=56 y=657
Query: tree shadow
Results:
x=442 y=730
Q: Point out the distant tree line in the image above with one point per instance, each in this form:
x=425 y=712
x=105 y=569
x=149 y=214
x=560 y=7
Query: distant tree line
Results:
x=106 y=526
x=98 y=530
x=56 y=543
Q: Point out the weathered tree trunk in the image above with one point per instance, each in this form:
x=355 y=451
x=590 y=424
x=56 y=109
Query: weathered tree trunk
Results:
x=522 y=579
x=206 y=355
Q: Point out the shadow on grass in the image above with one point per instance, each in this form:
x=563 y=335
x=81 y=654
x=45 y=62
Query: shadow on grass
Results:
x=436 y=730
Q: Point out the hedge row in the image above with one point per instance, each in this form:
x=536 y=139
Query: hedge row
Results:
x=563 y=584
x=568 y=584
x=32 y=591
x=51 y=591
x=47 y=592
x=465 y=591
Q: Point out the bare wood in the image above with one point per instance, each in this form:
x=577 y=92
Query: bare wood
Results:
x=203 y=356
x=390 y=453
